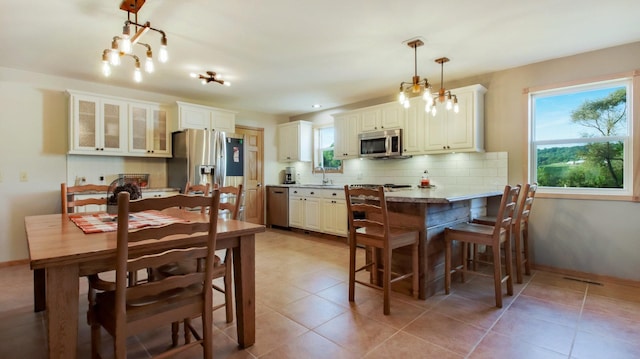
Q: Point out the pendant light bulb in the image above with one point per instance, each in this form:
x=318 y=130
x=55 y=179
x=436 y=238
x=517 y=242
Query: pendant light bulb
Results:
x=401 y=97
x=406 y=104
x=148 y=64
x=226 y=83
x=449 y=104
x=106 y=69
x=433 y=111
x=125 y=41
x=163 y=55
x=137 y=75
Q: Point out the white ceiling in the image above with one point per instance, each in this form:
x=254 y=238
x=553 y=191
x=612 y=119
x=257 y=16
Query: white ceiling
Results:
x=282 y=56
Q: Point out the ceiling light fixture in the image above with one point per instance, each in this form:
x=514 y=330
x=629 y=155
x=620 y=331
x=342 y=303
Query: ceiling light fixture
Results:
x=123 y=45
x=443 y=95
x=210 y=77
x=416 y=86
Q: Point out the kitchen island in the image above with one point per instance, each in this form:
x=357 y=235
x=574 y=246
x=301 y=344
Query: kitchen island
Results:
x=431 y=210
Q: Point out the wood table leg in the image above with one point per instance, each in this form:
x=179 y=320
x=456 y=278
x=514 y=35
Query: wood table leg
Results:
x=39 y=294
x=62 y=310
x=245 y=287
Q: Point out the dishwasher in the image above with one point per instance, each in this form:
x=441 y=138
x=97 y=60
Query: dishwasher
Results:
x=278 y=206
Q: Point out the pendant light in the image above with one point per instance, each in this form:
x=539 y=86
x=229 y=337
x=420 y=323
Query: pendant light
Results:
x=444 y=96
x=416 y=86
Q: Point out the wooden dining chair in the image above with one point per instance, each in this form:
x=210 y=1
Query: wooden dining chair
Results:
x=369 y=225
x=197 y=189
x=230 y=205
x=131 y=309
x=70 y=203
x=494 y=236
x=519 y=229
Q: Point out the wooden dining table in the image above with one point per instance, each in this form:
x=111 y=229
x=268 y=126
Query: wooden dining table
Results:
x=64 y=253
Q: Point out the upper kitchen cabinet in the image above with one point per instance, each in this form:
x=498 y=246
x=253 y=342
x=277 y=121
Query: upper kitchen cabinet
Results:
x=205 y=118
x=346 y=128
x=97 y=125
x=381 y=117
x=294 y=141
x=413 y=133
x=148 y=130
x=457 y=132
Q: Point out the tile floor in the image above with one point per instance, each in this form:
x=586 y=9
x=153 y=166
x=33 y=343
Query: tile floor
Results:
x=302 y=311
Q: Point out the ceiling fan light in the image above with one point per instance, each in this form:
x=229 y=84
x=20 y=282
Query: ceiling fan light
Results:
x=401 y=97
x=406 y=104
x=226 y=83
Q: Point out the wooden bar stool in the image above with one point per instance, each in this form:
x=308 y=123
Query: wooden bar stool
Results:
x=519 y=230
x=494 y=236
x=372 y=229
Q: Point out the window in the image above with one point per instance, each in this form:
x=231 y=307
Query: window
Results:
x=580 y=139
x=323 y=142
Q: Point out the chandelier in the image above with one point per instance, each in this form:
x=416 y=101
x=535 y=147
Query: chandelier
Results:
x=122 y=46
x=443 y=95
x=416 y=86
x=210 y=77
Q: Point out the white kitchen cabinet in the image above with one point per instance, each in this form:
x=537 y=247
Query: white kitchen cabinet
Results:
x=318 y=210
x=381 y=117
x=148 y=130
x=413 y=132
x=333 y=213
x=191 y=116
x=346 y=129
x=304 y=208
x=294 y=141
x=457 y=132
x=98 y=126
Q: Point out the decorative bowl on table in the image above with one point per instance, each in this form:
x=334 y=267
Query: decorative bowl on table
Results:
x=121 y=185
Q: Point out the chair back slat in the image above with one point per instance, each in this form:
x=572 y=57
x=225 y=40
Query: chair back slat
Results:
x=370 y=207
x=162 y=203
x=68 y=200
x=232 y=201
x=506 y=210
x=526 y=202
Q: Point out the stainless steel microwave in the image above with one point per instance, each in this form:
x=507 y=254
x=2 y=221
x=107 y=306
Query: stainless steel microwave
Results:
x=387 y=143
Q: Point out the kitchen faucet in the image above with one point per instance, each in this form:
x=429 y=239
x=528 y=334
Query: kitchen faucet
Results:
x=324 y=179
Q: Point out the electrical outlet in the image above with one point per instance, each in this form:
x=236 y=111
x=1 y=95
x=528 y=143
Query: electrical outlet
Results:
x=24 y=177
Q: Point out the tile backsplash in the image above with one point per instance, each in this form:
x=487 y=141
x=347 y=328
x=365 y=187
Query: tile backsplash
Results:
x=91 y=168
x=487 y=169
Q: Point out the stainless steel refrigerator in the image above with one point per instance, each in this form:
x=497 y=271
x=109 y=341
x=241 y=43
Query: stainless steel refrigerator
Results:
x=205 y=156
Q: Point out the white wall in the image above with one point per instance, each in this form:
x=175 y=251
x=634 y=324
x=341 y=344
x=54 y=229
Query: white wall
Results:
x=34 y=140
x=599 y=237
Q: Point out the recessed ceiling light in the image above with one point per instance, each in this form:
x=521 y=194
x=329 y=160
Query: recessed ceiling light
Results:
x=317 y=105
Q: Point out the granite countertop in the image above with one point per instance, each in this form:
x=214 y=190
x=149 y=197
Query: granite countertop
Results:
x=436 y=194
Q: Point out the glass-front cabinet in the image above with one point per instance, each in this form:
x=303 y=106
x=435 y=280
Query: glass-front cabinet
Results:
x=103 y=125
x=148 y=130
x=98 y=125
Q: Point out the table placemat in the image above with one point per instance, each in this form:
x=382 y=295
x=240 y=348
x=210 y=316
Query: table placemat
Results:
x=105 y=222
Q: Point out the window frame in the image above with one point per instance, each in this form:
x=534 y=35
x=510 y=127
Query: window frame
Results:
x=315 y=164
x=631 y=192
